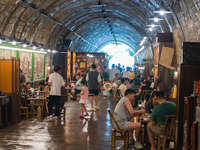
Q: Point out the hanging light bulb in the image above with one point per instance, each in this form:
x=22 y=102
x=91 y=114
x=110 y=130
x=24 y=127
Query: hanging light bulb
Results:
x=155 y=18
x=34 y=45
x=162 y=10
x=14 y=41
x=24 y=43
x=150 y=29
x=54 y=51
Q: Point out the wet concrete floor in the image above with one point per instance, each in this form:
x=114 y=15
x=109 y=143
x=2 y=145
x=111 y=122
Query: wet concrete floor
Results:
x=91 y=133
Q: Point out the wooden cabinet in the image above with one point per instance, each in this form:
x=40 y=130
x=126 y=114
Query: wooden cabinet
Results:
x=10 y=85
x=189 y=72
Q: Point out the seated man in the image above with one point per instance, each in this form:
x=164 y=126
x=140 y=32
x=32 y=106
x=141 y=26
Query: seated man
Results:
x=77 y=87
x=30 y=90
x=123 y=87
x=123 y=113
x=149 y=106
x=158 y=118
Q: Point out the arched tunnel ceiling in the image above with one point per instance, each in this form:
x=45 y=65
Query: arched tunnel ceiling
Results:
x=50 y=21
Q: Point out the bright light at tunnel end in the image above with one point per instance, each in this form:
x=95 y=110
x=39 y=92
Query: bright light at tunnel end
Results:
x=119 y=54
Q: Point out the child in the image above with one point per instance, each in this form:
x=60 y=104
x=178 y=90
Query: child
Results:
x=83 y=98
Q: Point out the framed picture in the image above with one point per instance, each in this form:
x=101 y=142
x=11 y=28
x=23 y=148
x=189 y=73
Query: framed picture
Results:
x=82 y=65
x=25 y=66
x=38 y=68
x=29 y=68
x=41 y=65
x=21 y=65
x=35 y=65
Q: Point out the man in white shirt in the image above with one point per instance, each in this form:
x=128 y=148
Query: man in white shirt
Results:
x=123 y=87
x=127 y=74
x=55 y=83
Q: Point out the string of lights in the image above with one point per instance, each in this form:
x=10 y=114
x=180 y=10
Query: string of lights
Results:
x=158 y=16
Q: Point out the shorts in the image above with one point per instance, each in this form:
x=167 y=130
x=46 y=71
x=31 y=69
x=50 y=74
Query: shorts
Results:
x=156 y=130
x=77 y=91
x=94 y=92
x=123 y=125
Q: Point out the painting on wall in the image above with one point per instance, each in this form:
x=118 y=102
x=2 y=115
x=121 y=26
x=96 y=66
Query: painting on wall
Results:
x=41 y=66
x=82 y=65
x=29 y=68
x=25 y=66
x=38 y=68
x=35 y=65
x=21 y=65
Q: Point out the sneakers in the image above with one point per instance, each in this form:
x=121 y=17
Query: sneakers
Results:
x=96 y=107
x=91 y=109
x=138 y=145
x=86 y=114
x=56 y=118
x=49 y=118
x=81 y=116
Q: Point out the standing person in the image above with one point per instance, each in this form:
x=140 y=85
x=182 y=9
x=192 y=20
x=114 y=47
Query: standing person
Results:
x=120 y=68
x=22 y=79
x=123 y=69
x=55 y=83
x=127 y=74
x=83 y=98
x=112 y=73
x=94 y=84
x=105 y=77
x=117 y=70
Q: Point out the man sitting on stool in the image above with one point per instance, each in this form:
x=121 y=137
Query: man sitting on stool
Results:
x=158 y=117
x=77 y=87
x=123 y=113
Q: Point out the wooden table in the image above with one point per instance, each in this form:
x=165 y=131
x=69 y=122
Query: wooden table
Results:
x=4 y=100
x=144 y=136
x=39 y=102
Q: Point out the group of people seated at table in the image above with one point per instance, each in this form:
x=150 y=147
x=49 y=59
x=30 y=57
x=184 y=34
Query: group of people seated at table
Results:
x=28 y=92
x=157 y=109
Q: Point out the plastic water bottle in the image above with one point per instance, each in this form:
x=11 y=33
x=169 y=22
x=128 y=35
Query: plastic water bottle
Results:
x=37 y=94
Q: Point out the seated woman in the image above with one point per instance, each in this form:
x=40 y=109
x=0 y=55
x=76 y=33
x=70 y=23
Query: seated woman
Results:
x=123 y=113
x=44 y=88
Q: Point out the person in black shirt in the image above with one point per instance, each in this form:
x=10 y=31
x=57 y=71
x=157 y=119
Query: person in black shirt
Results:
x=149 y=106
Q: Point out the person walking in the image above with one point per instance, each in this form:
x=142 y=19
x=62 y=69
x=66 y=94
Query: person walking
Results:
x=83 y=98
x=55 y=82
x=94 y=84
x=112 y=73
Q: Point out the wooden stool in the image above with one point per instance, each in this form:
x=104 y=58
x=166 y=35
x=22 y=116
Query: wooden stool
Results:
x=169 y=126
x=123 y=134
x=24 y=111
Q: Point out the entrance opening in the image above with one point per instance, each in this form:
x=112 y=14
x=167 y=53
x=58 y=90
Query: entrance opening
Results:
x=119 y=54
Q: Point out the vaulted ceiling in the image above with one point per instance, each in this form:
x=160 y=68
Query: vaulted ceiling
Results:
x=89 y=24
